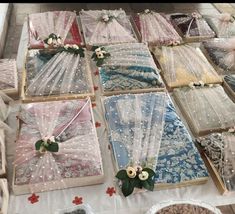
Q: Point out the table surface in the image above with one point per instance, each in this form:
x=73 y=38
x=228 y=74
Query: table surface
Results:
x=96 y=196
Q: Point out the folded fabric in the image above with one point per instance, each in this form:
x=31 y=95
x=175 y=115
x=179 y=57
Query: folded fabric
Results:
x=221 y=53
x=184 y=64
x=223 y=24
x=230 y=80
x=192 y=25
x=106 y=27
x=49 y=72
x=207 y=109
x=40 y=164
x=129 y=66
x=61 y=23
x=156 y=29
x=219 y=147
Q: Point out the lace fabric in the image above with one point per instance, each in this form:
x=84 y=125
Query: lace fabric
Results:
x=8 y=74
x=184 y=64
x=50 y=73
x=192 y=25
x=156 y=29
x=135 y=140
x=72 y=125
x=221 y=53
x=62 y=23
x=220 y=150
x=207 y=109
x=129 y=67
x=117 y=28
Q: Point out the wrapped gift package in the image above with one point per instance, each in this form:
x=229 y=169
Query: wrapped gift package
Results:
x=220 y=53
x=63 y=24
x=222 y=24
x=102 y=27
x=4 y=198
x=206 y=109
x=57 y=147
x=53 y=75
x=229 y=86
x=8 y=77
x=2 y=154
x=166 y=146
x=184 y=64
x=219 y=157
x=183 y=207
x=155 y=29
x=192 y=27
x=130 y=68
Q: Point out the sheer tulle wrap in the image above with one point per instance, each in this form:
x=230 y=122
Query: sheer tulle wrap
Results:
x=61 y=23
x=64 y=73
x=5 y=110
x=71 y=123
x=98 y=32
x=184 y=64
x=156 y=29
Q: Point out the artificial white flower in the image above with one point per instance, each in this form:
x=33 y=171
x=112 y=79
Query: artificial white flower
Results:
x=49 y=41
x=231 y=130
x=66 y=46
x=211 y=85
x=146 y=10
x=46 y=45
x=138 y=168
x=100 y=55
x=201 y=83
x=131 y=172
x=75 y=46
x=191 y=85
x=196 y=15
x=143 y=175
x=105 y=17
x=52 y=138
x=104 y=52
x=59 y=41
x=97 y=50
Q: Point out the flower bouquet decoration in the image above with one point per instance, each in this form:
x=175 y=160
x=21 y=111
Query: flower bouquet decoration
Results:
x=52 y=29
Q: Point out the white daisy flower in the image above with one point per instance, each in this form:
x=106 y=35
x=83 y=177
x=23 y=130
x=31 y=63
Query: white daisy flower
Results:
x=49 y=41
x=131 y=172
x=105 y=17
x=146 y=10
x=100 y=55
x=75 y=46
x=143 y=175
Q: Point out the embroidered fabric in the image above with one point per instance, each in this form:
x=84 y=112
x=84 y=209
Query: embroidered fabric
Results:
x=230 y=80
x=221 y=53
x=183 y=207
x=220 y=150
x=184 y=64
x=106 y=27
x=135 y=140
x=192 y=25
x=72 y=125
x=156 y=29
x=222 y=24
x=207 y=109
x=61 y=23
x=8 y=74
x=56 y=74
x=130 y=66
x=178 y=160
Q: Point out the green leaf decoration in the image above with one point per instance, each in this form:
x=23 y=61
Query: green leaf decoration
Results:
x=127 y=187
x=99 y=62
x=93 y=48
x=53 y=147
x=38 y=144
x=150 y=171
x=137 y=182
x=122 y=174
x=148 y=184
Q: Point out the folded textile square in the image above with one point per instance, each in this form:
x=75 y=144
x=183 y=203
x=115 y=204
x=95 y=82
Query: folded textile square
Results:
x=129 y=68
x=220 y=52
x=54 y=74
x=53 y=29
x=206 y=109
x=192 y=27
x=219 y=155
x=184 y=64
x=102 y=27
x=156 y=29
x=8 y=77
x=57 y=147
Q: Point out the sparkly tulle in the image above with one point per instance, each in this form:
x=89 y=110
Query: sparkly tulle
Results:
x=78 y=156
x=98 y=32
x=207 y=109
x=130 y=66
x=156 y=29
x=63 y=73
x=221 y=151
x=61 y=23
x=135 y=125
x=184 y=64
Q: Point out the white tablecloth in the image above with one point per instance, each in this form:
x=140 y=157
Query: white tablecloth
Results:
x=96 y=195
